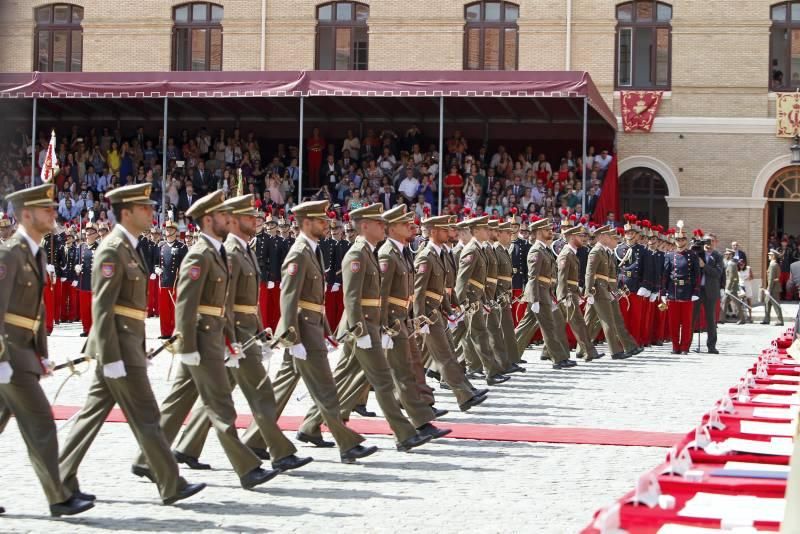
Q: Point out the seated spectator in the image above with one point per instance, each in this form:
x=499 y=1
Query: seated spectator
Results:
x=409 y=187
x=453 y=183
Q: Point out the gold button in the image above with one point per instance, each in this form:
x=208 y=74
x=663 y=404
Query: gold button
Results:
x=29 y=284
x=238 y=323
x=136 y=278
x=219 y=279
x=305 y=317
x=366 y=316
x=125 y=327
x=207 y=327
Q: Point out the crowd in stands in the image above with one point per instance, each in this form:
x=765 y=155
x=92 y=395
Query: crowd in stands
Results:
x=385 y=166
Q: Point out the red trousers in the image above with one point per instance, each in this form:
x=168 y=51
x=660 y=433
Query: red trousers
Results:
x=166 y=308
x=518 y=308
x=152 y=297
x=69 y=302
x=634 y=316
x=273 y=306
x=334 y=306
x=85 y=302
x=649 y=323
x=49 y=295
x=680 y=324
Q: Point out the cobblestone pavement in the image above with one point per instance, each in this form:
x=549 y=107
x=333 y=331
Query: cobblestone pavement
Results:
x=448 y=486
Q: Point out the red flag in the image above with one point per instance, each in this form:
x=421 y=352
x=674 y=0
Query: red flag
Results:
x=609 y=194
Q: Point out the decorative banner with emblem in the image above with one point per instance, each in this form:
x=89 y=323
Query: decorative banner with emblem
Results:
x=639 y=109
x=787 y=114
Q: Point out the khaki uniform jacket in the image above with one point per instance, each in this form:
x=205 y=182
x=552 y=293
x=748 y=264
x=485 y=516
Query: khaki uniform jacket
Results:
x=568 y=274
x=302 y=279
x=541 y=274
x=505 y=269
x=429 y=282
x=450 y=272
x=598 y=264
x=361 y=281
x=471 y=278
x=491 y=272
x=397 y=284
x=774 y=278
x=732 y=276
x=21 y=284
x=119 y=278
x=242 y=307
x=203 y=285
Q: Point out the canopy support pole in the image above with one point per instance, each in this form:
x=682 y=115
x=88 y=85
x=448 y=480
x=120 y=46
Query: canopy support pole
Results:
x=302 y=153
x=164 y=185
x=34 y=143
x=584 y=172
x=441 y=152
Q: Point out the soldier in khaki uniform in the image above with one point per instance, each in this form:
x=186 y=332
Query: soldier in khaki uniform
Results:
x=116 y=341
x=732 y=284
x=247 y=371
x=505 y=271
x=773 y=288
x=302 y=330
x=495 y=302
x=568 y=292
x=361 y=284
x=628 y=342
x=539 y=295
x=471 y=292
x=23 y=345
x=200 y=318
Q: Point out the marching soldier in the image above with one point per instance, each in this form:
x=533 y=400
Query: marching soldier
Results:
x=496 y=302
x=23 y=345
x=429 y=294
x=247 y=370
x=682 y=285
x=732 y=285
x=84 y=272
x=203 y=286
x=629 y=344
x=362 y=314
x=117 y=342
x=631 y=272
x=504 y=296
x=772 y=292
x=171 y=254
x=519 y=267
x=568 y=292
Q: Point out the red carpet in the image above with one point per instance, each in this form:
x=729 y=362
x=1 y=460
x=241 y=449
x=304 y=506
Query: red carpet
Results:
x=526 y=433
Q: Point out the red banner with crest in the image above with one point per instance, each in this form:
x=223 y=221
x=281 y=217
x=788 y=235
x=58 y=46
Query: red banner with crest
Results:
x=787 y=114
x=639 y=109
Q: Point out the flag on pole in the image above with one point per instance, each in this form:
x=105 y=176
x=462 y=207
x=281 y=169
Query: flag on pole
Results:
x=240 y=183
x=609 y=194
x=50 y=167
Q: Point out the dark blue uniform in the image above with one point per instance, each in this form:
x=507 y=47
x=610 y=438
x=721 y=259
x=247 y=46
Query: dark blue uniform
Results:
x=171 y=256
x=631 y=266
x=86 y=259
x=681 y=277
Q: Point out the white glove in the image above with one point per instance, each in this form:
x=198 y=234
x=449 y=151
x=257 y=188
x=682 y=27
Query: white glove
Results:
x=664 y=299
x=535 y=307
x=270 y=285
x=553 y=306
x=695 y=298
x=590 y=299
x=153 y=276
x=78 y=268
x=5 y=372
x=75 y=283
x=653 y=296
x=722 y=293
x=280 y=284
x=114 y=370
x=335 y=288
x=266 y=352
x=364 y=342
x=159 y=270
x=47 y=367
x=643 y=292
x=51 y=269
x=386 y=341
x=452 y=324
x=425 y=329
x=63 y=278
x=233 y=357
x=191 y=359
x=298 y=351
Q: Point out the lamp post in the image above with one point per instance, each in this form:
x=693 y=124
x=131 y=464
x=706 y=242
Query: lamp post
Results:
x=795 y=149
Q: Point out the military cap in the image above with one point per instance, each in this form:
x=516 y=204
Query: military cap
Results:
x=5 y=222
x=453 y=221
x=397 y=214
x=493 y=224
x=605 y=229
x=540 y=224
x=131 y=194
x=505 y=226
x=102 y=227
x=170 y=225
x=259 y=214
x=572 y=230
x=479 y=222
x=773 y=252
x=242 y=205
x=90 y=227
x=440 y=221
x=42 y=196
x=211 y=203
x=730 y=251
x=283 y=223
x=313 y=209
x=155 y=230
x=373 y=211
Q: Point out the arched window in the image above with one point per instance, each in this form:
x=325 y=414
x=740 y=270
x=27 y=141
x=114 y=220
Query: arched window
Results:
x=58 y=38
x=491 y=36
x=784 y=46
x=643 y=191
x=197 y=36
x=644 y=45
x=342 y=41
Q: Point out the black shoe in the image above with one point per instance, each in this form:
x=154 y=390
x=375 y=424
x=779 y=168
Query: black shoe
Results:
x=543 y=358
x=777 y=323
x=361 y=409
x=434 y=432
x=84 y=496
x=166 y=337
x=581 y=356
x=471 y=403
x=2 y=510
x=764 y=322
x=185 y=493
x=514 y=369
x=563 y=364
x=598 y=355
x=317 y=442
x=497 y=379
x=742 y=321
x=190 y=461
x=84 y=334
x=713 y=351
x=258 y=476
x=262 y=454
x=356 y=453
x=675 y=352
x=71 y=506
x=445 y=385
x=620 y=356
x=142 y=471
x=437 y=413
x=291 y=462
x=474 y=375
x=523 y=361
x=414 y=441
x=480 y=392
x=658 y=344
x=637 y=350
x=434 y=374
